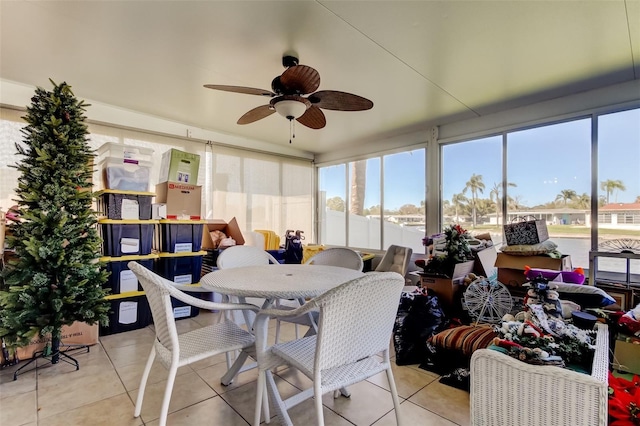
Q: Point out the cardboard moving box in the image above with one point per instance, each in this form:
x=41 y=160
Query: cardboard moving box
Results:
x=627 y=356
x=447 y=289
x=231 y=229
x=78 y=333
x=511 y=268
x=181 y=201
x=179 y=166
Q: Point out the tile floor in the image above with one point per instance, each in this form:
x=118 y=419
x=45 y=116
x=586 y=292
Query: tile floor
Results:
x=103 y=391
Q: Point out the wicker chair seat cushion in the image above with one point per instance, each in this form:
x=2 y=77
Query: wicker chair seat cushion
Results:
x=465 y=338
x=206 y=342
x=300 y=353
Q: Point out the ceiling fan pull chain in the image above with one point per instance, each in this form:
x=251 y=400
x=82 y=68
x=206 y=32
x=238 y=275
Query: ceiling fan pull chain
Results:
x=291 y=130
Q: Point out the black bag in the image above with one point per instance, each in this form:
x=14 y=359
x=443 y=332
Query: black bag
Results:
x=419 y=317
x=293 y=247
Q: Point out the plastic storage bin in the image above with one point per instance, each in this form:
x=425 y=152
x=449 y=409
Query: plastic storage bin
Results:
x=121 y=279
x=184 y=310
x=181 y=268
x=127 y=313
x=125 y=152
x=126 y=237
x=177 y=236
x=120 y=205
x=125 y=174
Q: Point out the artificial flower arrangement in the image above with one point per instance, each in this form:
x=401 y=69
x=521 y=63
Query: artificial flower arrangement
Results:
x=447 y=249
x=624 y=401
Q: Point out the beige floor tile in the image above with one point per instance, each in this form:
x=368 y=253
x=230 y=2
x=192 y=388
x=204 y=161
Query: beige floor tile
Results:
x=117 y=410
x=188 y=389
x=408 y=380
x=131 y=374
x=134 y=337
x=213 y=411
x=413 y=414
x=208 y=362
x=26 y=382
x=19 y=409
x=305 y=414
x=214 y=373
x=243 y=398
x=131 y=354
x=444 y=400
x=366 y=404
x=77 y=391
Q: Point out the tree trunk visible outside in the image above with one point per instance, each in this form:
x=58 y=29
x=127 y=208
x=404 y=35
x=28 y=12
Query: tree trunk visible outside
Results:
x=358 y=186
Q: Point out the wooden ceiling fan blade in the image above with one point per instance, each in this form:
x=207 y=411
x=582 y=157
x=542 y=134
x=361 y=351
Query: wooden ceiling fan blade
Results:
x=240 y=89
x=313 y=118
x=339 y=101
x=256 y=114
x=300 y=79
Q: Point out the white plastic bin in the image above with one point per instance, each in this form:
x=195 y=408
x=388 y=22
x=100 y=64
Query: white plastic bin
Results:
x=125 y=174
x=124 y=152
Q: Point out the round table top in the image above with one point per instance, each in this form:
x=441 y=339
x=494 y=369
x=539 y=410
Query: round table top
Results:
x=278 y=281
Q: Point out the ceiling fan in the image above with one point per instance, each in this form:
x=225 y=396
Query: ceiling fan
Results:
x=288 y=97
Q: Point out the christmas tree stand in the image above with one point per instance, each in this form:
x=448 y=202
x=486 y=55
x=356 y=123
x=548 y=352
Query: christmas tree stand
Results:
x=53 y=357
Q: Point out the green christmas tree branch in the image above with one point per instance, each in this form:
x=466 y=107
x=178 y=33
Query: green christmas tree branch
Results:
x=57 y=278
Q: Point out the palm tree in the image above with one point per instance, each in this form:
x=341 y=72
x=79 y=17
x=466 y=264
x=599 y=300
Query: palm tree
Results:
x=566 y=195
x=610 y=186
x=583 y=201
x=458 y=200
x=475 y=185
x=494 y=196
x=358 y=186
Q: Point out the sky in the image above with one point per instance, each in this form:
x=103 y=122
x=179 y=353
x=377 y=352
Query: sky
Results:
x=540 y=161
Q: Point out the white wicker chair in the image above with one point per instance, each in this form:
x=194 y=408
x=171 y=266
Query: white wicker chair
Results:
x=239 y=256
x=176 y=350
x=395 y=259
x=336 y=256
x=355 y=324
x=506 y=391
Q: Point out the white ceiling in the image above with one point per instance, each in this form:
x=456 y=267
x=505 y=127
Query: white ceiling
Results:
x=422 y=63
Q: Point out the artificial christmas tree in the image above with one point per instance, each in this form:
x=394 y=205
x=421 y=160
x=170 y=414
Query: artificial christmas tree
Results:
x=56 y=278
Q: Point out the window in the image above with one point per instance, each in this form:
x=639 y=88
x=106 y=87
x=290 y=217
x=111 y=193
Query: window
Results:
x=472 y=186
x=364 y=197
x=549 y=168
x=332 y=196
x=385 y=203
x=404 y=199
x=618 y=188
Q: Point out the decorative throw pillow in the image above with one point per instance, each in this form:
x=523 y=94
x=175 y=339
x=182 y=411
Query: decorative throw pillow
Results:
x=465 y=338
x=587 y=296
x=530 y=249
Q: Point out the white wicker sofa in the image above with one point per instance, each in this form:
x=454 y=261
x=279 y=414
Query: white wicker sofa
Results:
x=505 y=391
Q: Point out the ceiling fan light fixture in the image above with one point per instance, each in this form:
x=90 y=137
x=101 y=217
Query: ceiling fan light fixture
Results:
x=290 y=109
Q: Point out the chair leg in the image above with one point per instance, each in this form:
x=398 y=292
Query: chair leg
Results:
x=164 y=411
x=262 y=400
x=277 y=331
x=394 y=395
x=281 y=409
x=318 y=403
x=143 y=382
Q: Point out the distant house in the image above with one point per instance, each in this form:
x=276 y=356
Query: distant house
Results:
x=619 y=214
x=560 y=216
